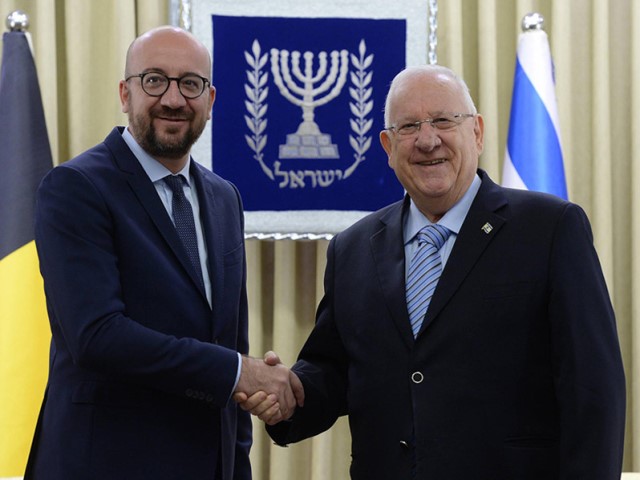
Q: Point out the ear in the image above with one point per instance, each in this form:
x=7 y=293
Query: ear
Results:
x=123 y=90
x=385 y=141
x=212 y=98
x=478 y=129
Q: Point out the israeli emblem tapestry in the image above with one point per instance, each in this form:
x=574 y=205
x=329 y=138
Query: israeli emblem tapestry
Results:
x=298 y=112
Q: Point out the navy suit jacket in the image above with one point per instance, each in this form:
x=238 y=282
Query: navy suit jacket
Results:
x=516 y=373
x=141 y=368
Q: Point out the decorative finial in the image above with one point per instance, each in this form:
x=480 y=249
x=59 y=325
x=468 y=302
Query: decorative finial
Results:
x=17 y=21
x=532 y=21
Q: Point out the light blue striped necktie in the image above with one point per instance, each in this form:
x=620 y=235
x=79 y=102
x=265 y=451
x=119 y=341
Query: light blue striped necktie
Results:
x=424 y=271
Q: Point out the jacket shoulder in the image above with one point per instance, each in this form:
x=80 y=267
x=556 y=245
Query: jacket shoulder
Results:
x=375 y=220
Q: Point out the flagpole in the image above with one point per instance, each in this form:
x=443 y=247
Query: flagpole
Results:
x=433 y=32
x=17 y=21
x=180 y=14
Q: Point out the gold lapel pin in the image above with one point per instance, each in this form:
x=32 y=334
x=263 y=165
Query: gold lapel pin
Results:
x=487 y=227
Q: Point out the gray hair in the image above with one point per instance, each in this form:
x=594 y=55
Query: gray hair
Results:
x=431 y=70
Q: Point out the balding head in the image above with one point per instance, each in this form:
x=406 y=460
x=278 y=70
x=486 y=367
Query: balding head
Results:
x=167 y=35
x=167 y=121
x=426 y=72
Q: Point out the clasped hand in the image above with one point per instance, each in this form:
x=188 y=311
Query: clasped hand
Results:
x=268 y=389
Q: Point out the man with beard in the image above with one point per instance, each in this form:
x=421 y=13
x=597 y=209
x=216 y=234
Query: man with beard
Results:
x=142 y=254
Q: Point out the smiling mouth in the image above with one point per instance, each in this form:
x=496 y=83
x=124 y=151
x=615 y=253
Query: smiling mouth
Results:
x=437 y=161
x=172 y=119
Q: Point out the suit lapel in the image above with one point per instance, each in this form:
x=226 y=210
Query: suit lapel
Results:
x=387 y=246
x=146 y=193
x=479 y=228
x=212 y=231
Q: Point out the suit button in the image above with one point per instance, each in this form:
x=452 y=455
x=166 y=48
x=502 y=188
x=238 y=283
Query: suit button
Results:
x=404 y=445
x=417 y=377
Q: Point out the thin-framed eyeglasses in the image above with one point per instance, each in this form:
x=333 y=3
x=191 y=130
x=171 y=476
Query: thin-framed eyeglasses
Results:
x=444 y=121
x=155 y=84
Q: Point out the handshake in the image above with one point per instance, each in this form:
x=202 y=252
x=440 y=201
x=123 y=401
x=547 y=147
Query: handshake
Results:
x=268 y=389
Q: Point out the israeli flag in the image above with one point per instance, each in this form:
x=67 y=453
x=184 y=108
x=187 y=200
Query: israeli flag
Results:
x=533 y=159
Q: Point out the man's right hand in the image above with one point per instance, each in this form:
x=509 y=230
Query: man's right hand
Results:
x=269 y=390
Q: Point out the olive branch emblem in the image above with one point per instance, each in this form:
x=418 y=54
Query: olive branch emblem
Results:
x=361 y=79
x=257 y=91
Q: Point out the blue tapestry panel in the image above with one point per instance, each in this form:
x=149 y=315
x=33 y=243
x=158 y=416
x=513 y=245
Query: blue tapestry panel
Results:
x=299 y=108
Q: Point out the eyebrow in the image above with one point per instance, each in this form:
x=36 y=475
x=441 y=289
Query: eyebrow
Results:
x=164 y=72
x=408 y=119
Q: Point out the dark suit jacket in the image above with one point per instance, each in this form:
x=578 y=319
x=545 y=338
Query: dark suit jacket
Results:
x=516 y=373
x=141 y=368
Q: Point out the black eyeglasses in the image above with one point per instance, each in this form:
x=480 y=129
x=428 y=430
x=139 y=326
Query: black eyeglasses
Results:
x=156 y=84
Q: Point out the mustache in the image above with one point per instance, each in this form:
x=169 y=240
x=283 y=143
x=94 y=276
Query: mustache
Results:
x=172 y=113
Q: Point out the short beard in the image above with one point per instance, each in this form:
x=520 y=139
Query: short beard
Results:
x=150 y=142
x=147 y=138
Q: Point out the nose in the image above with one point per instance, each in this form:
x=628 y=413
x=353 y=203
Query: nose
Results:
x=428 y=137
x=172 y=98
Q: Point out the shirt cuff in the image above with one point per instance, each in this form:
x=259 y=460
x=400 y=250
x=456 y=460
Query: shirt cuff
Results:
x=235 y=384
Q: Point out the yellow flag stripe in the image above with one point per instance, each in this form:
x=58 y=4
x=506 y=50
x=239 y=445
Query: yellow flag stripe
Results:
x=24 y=350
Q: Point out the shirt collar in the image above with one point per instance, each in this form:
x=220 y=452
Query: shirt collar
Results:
x=154 y=169
x=453 y=219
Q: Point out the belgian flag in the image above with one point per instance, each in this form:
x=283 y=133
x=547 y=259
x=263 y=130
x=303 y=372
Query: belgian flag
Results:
x=25 y=157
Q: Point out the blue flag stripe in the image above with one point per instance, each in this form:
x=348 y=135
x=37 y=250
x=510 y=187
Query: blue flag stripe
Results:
x=533 y=143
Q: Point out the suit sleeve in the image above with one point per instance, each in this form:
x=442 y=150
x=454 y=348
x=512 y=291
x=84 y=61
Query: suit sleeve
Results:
x=322 y=369
x=80 y=264
x=588 y=370
x=244 y=432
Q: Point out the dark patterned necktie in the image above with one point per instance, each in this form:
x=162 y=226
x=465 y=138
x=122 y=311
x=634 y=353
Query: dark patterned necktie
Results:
x=184 y=221
x=424 y=271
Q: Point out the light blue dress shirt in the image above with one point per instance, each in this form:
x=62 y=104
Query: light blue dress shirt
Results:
x=453 y=220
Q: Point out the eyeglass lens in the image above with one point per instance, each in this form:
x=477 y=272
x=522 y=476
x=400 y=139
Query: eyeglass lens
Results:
x=156 y=84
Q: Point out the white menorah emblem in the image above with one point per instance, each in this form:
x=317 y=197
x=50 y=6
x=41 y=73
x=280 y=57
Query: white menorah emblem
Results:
x=308 y=141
